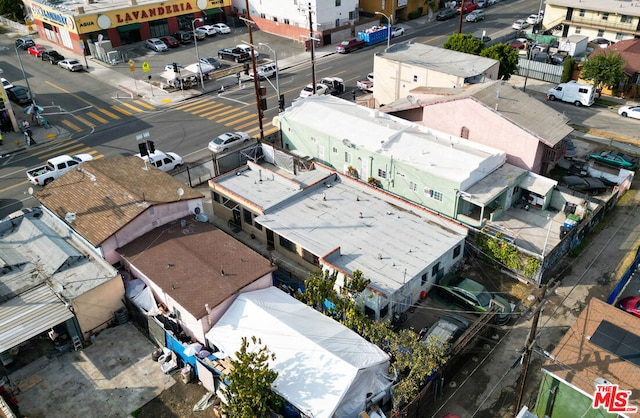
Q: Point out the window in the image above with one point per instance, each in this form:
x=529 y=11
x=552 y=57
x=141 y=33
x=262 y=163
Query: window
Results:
x=626 y=19
x=415 y=78
x=582 y=11
x=286 y=21
x=413 y=186
x=578 y=29
x=464 y=132
x=307 y=256
x=347 y=157
x=334 y=150
x=216 y=197
x=424 y=279
x=382 y=173
x=435 y=269
x=247 y=216
x=605 y=16
x=600 y=33
x=275 y=19
x=338 y=3
x=619 y=36
x=262 y=15
x=433 y=194
x=286 y=244
x=456 y=251
x=258 y=226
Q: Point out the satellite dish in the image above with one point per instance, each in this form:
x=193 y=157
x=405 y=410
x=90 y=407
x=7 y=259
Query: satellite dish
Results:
x=346 y=142
x=180 y=191
x=30 y=191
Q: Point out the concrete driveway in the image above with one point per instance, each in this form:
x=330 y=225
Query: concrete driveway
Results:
x=111 y=378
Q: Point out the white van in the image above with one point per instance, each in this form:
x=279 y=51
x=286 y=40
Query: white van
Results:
x=165 y=161
x=580 y=94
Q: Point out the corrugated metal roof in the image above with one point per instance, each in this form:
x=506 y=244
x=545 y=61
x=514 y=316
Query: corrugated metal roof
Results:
x=30 y=314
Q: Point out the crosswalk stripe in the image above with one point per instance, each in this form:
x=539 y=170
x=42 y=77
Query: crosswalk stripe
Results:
x=238 y=120
x=110 y=114
x=98 y=118
x=253 y=131
x=97 y=157
x=191 y=109
x=191 y=103
x=244 y=126
x=271 y=130
x=143 y=104
x=204 y=109
x=221 y=113
x=132 y=107
x=72 y=125
x=216 y=110
x=121 y=110
x=86 y=122
x=247 y=115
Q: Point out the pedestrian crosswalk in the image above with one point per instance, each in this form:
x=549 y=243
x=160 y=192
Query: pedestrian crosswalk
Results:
x=231 y=116
x=69 y=147
x=222 y=112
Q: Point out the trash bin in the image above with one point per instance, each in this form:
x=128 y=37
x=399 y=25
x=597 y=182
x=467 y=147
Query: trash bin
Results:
x=186 y=374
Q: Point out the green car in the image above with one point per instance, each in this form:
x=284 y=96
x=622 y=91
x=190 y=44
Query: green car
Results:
x=615 y=159
x=471 y=294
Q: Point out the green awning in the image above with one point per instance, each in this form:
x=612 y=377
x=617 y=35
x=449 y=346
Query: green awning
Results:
x=129 y=27
x=213 y=11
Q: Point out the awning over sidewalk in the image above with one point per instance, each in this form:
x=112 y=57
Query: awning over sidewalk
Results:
x=30 y=314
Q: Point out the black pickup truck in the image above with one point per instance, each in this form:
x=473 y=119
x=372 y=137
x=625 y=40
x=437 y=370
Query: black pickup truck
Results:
x=233 y=54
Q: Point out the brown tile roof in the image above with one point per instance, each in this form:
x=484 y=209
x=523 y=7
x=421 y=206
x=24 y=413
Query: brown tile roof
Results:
x=580 y=362
x=629 y=49
x=187 y=263
x=106 y=194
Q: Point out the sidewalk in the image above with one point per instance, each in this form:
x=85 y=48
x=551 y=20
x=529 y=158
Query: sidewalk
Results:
x=14 y=142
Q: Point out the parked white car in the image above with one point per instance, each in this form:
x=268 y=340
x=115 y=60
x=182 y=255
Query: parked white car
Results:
x=520 y=24
x=165 y=161
x=71 y=65
x=308 y=90
x=228 y=141
x=397 y=31
x=209 y=29
x=629 y=112
x=221 y=28
x=156 y=44
x=534 y=19
x=6 y=83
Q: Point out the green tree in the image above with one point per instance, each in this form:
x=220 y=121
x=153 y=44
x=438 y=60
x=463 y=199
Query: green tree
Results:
x=12 y=9
x=249 y=393
x=567 y=69
x=604 y=69
x=507 y=56
x=464 y=42
x=318 y=287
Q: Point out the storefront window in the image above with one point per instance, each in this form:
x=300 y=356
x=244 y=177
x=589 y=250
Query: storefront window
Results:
x=159 y=28
x=184 y=22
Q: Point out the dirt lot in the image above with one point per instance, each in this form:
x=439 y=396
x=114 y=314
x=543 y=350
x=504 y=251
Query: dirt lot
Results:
x=177 y=402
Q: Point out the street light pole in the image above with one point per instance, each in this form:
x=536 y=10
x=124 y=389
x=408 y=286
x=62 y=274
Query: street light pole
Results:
x=389 y=23
x=275 y=59
x=195 y=38
x=26 y=80
x=256 y=81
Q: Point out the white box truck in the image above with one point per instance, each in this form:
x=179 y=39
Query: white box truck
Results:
x=580 y=94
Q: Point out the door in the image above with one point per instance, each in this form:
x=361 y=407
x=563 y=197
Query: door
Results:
x=270 y=239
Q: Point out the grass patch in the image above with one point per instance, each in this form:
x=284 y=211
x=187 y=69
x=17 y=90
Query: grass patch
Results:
x=604 y=102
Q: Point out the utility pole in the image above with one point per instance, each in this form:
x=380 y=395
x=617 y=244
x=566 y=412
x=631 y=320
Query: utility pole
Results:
x=528 y=348
x=313 y=62
x=461 y=14
x=256 y=79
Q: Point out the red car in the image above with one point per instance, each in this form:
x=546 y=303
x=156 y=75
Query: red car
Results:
x=36 y=50
x=170 y=41
x=631 y=305
x=467 y=7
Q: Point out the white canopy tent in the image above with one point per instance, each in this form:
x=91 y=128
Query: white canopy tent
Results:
x=324 y=369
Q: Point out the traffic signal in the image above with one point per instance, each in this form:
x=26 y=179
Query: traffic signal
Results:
x=246 y=68
x=142 y=146
x=263 y=103
x=175 y=67
x=281 y=102
x=151 y=146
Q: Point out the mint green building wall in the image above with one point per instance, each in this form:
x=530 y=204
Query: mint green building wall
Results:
x=568 y=402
